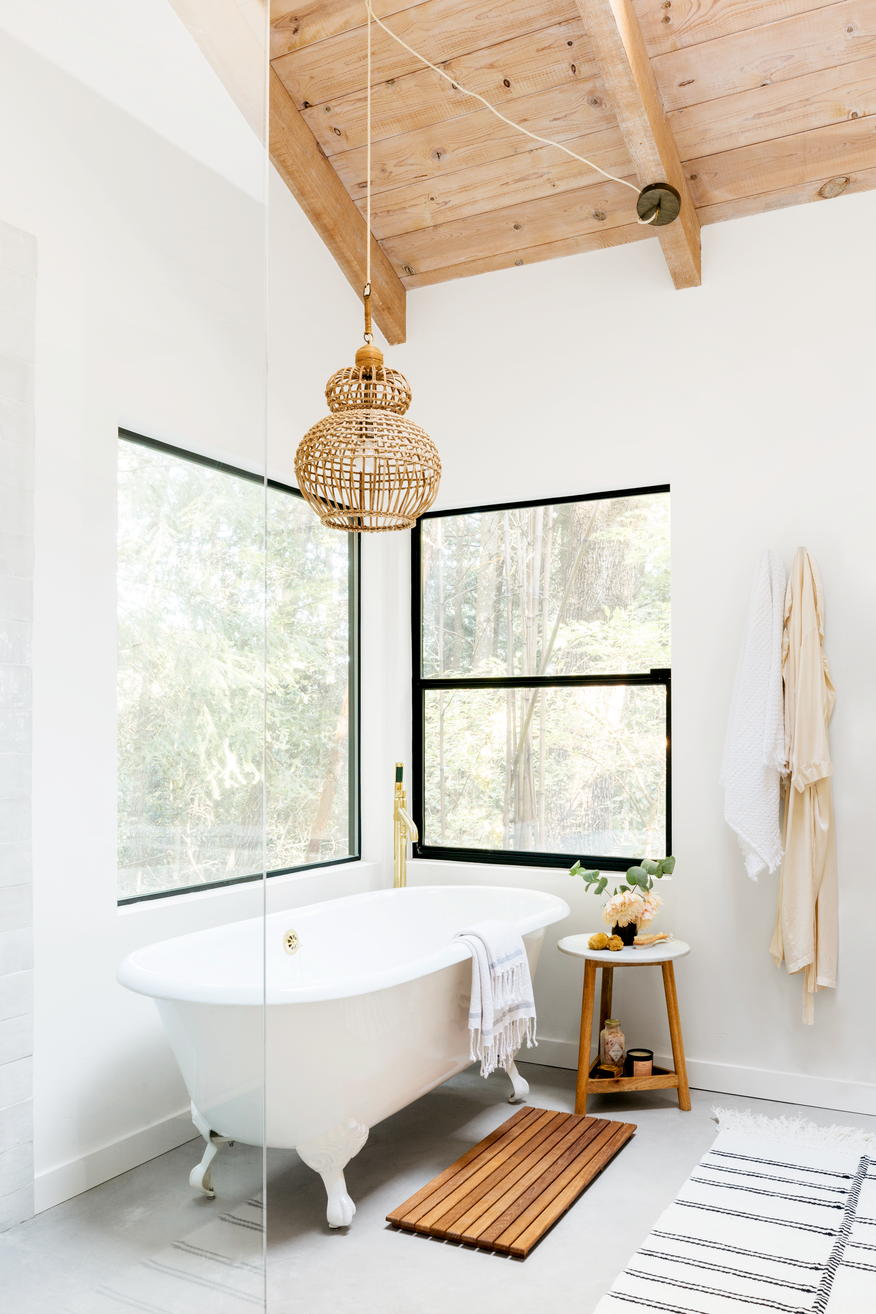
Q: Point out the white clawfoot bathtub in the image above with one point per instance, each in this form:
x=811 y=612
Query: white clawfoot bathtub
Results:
x=368 y=1012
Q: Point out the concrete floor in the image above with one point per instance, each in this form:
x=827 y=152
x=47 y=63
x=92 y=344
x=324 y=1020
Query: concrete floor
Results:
x=53 y=1261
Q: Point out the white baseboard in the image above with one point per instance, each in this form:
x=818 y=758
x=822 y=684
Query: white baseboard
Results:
x=727 y=1079
x=69 y=1179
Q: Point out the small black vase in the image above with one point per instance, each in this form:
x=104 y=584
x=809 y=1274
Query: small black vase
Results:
x=626 y=933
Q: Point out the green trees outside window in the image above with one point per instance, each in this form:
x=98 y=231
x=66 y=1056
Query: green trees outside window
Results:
x=236 y=677
x=542 y=680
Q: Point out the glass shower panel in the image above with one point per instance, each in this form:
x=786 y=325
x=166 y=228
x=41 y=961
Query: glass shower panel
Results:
x=134 y=210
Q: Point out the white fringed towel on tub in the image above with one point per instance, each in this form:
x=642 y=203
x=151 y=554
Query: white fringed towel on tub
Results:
x=502 y=1010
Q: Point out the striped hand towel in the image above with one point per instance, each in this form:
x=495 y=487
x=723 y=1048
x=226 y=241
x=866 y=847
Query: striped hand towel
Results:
x=502 y=1010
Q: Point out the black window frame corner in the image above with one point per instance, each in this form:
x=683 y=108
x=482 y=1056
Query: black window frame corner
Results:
x=420 y=685
x=354 y=549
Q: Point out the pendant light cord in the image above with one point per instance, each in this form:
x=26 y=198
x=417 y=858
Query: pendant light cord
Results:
x=369 y=336
x=545 y=141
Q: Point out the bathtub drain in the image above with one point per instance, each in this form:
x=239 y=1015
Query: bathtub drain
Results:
x=290 y=942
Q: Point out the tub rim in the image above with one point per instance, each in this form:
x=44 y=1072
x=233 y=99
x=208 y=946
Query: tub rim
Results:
x=134 y=976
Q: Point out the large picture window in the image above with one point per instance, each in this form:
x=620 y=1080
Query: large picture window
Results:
x=237 y=677
x=542 y=681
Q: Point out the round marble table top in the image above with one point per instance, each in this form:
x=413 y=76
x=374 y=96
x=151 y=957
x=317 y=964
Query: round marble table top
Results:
x=664 y=952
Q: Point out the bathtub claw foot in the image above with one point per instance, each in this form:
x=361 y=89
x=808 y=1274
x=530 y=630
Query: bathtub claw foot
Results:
x=201 y=1175
x=521 y=1086
x=328 y=1155
x=340 y=1208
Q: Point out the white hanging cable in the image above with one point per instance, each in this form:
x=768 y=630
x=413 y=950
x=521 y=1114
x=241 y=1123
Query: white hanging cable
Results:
x=367 y=291
x=545 y=141
x=368 y=157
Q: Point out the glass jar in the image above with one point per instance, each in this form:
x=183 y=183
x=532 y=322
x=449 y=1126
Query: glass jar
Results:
x=611 y=1042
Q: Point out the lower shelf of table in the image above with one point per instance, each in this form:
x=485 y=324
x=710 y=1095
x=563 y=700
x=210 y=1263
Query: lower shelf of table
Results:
x=661 y=1079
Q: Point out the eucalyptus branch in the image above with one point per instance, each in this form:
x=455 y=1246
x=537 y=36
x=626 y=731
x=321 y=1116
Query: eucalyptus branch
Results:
x=639 y=878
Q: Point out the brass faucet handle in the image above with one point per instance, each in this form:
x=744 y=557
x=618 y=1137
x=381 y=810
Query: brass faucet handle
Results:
x=405 y=817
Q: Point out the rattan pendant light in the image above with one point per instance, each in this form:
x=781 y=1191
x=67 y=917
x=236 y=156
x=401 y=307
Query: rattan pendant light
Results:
x=366 y=467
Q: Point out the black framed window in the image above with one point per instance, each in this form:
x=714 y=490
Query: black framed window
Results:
x=238 y=677
x=542 y=682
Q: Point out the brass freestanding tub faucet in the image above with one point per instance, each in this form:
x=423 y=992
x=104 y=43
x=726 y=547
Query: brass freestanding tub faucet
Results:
x=403 y=830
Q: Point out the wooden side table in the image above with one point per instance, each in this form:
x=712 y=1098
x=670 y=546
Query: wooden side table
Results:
x=663 y=954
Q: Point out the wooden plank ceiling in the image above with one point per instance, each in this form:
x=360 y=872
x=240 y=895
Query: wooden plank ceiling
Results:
x=765 y=103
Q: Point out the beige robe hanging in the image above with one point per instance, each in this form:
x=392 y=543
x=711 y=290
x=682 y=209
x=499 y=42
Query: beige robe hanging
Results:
x=806 y=924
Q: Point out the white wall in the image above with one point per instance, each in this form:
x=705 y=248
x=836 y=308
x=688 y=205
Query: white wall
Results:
x=138 y=55
x=18 y=267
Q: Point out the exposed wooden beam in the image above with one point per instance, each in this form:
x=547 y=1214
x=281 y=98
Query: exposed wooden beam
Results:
x=619 y=46
x=327 y=204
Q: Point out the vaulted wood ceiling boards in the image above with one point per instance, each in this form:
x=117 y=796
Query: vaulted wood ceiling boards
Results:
x=744 y=105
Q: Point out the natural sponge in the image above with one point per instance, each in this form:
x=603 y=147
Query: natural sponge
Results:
x=615 y=943
x=598 y=941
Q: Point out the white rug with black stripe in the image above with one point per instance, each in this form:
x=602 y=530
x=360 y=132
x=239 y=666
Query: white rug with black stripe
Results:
x=779 y=1215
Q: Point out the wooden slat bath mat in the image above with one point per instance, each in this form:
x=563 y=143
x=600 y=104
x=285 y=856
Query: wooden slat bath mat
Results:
x=511 y=1187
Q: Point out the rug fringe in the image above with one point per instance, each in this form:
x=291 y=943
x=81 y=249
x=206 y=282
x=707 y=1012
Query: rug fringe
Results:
x=793 y=1131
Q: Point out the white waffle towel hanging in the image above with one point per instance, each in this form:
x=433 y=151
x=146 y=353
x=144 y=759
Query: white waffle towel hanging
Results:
x=754 y=750
x=502 y=1010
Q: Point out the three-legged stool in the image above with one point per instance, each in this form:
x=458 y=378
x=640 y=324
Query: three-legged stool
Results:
x=664 y=955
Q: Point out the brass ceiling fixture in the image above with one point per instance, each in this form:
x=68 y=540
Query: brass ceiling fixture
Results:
x=366 y=468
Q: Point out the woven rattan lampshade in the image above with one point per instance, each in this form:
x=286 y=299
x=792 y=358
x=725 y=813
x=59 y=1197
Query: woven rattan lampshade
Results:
x=367 y=468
